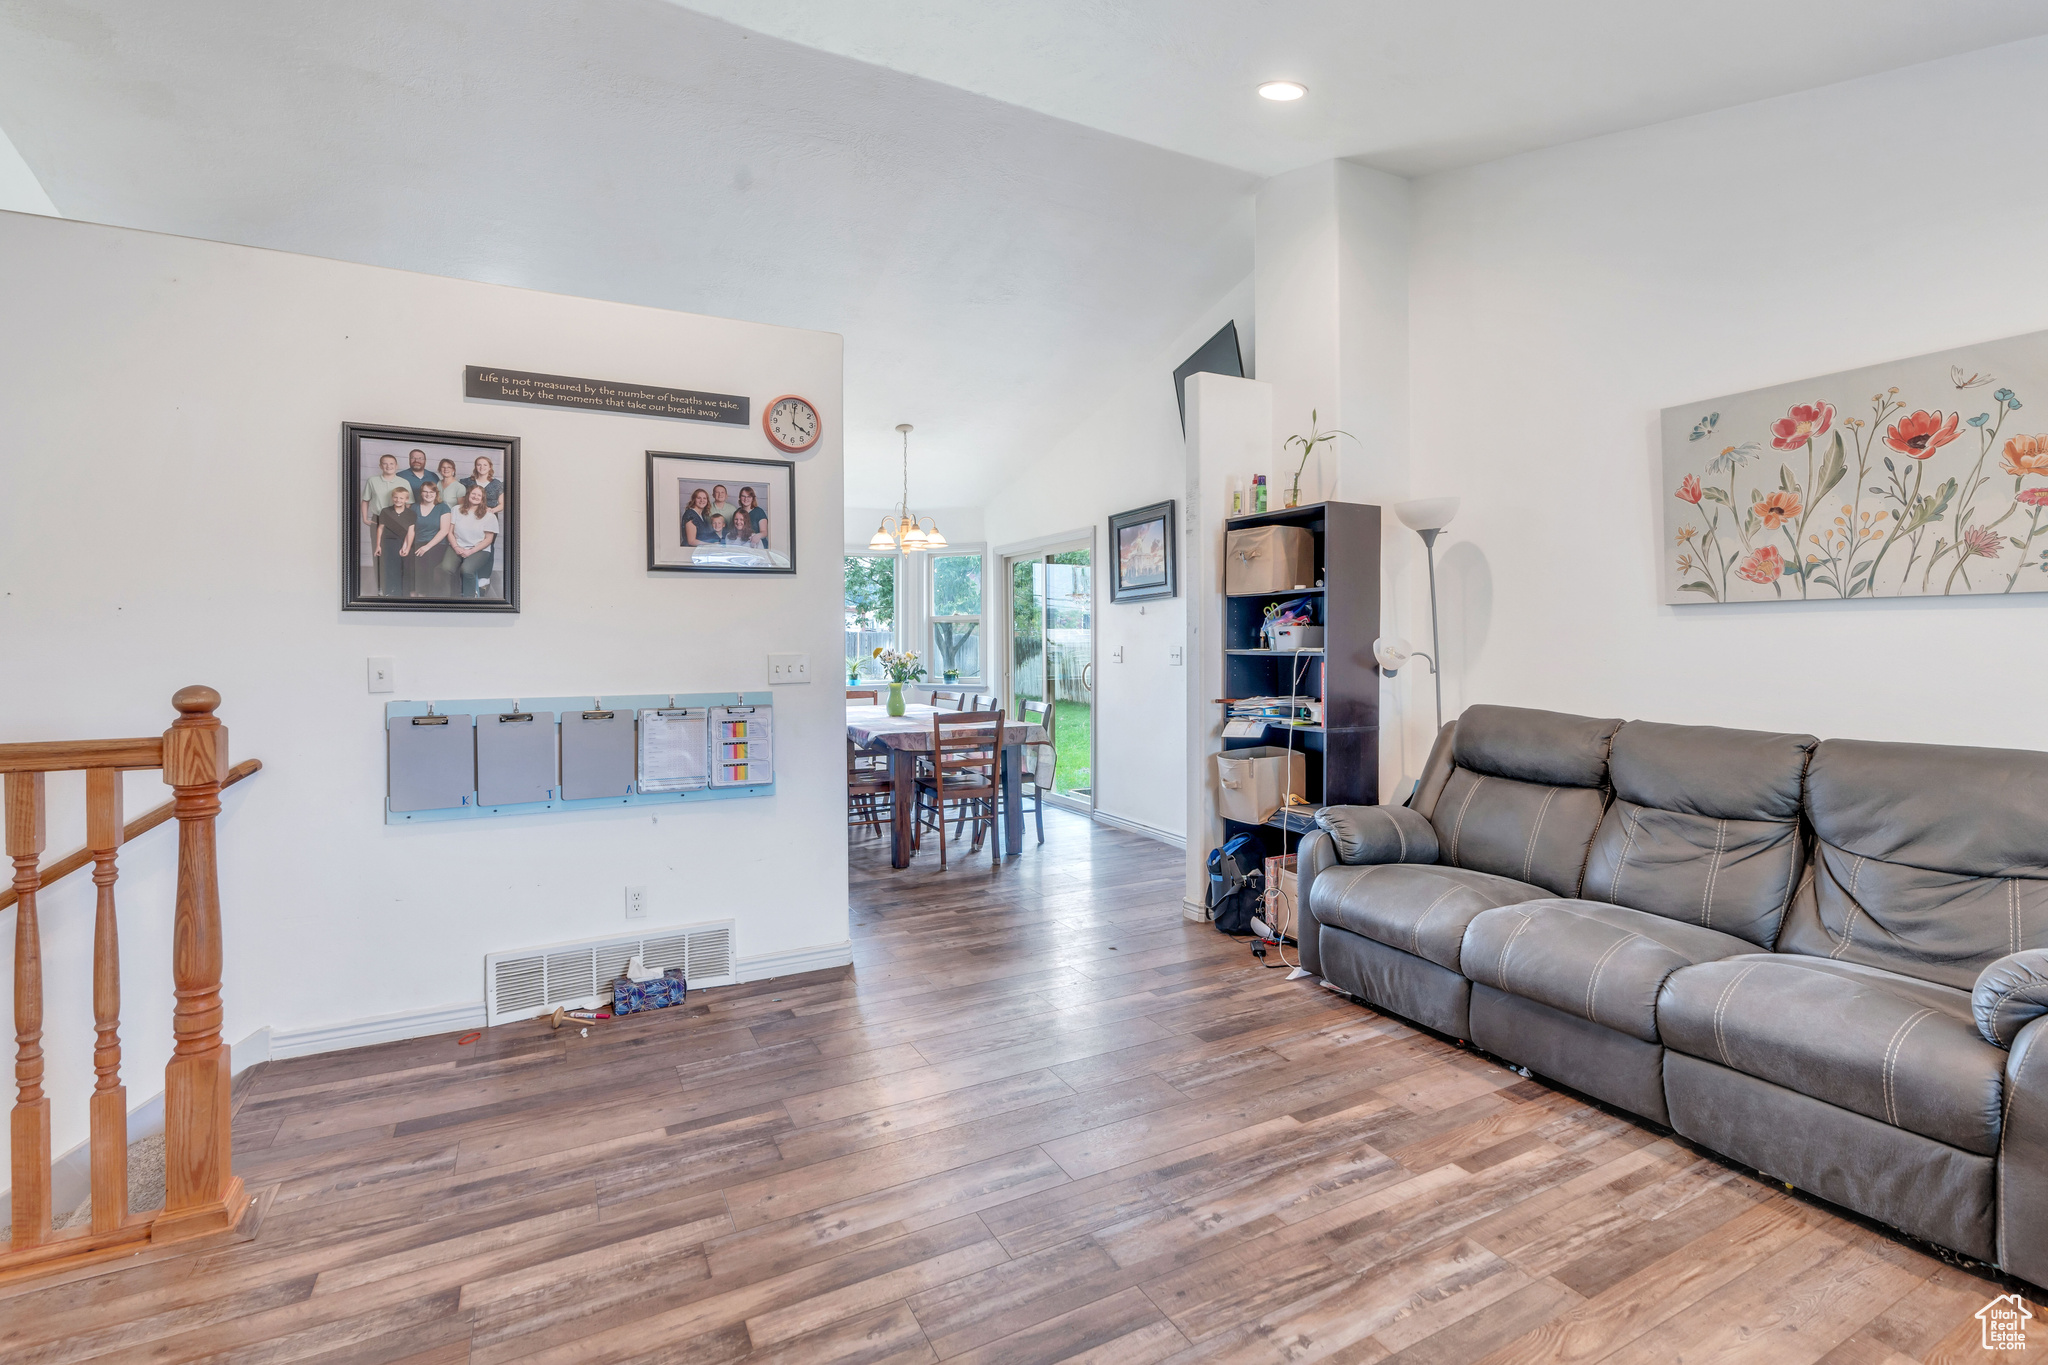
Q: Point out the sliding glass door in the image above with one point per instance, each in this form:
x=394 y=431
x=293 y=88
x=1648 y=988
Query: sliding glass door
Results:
x=1050 y=657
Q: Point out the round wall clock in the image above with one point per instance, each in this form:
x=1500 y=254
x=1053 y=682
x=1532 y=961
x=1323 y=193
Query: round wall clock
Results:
x=791 y=423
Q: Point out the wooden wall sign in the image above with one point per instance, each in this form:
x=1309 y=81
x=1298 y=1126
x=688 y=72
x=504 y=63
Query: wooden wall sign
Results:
x=604 y=395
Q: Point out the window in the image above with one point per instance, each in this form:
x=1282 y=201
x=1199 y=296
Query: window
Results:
x=956 y=618
x=870 y=610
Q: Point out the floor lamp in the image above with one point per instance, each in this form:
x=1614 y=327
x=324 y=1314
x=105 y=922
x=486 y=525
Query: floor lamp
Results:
x=1427 y=517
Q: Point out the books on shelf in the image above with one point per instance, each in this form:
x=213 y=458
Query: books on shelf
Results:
x=1303 y=712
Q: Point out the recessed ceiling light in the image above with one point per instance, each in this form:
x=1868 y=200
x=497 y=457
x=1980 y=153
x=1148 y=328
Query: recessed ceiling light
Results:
x=1283 y=90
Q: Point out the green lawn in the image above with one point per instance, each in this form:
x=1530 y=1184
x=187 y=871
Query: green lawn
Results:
x=1073 y=719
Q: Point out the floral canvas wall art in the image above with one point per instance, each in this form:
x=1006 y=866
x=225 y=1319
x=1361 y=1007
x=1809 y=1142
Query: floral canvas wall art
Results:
x=1916 y=478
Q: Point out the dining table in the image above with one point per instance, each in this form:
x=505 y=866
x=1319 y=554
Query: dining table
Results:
x=872 y=729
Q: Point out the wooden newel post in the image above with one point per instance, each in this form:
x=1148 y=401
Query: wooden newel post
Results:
x=29 y=1130
x=201 y=1192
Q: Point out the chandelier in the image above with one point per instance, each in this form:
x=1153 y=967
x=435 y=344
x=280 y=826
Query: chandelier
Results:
x=905 y=530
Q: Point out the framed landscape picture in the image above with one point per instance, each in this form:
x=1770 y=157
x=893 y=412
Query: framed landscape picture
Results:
x=1142 y=550
x=430 y=520
x=720 y=514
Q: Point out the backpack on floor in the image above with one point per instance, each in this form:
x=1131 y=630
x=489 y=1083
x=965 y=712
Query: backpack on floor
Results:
x=1237 y=880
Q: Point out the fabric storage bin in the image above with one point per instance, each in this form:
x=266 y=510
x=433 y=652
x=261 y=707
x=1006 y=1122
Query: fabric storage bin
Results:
x=1251 y=784
x=1268 y=559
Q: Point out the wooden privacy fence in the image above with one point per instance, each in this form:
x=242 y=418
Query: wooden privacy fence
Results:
x=201 y=1193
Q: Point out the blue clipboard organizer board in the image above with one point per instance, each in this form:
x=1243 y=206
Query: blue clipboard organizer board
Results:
x=549 y=710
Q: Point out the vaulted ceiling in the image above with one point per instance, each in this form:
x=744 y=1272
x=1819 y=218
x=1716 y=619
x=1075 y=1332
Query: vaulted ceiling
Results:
x=997 y=204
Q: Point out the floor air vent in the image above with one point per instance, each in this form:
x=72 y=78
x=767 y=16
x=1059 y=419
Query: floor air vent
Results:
x=530 y=981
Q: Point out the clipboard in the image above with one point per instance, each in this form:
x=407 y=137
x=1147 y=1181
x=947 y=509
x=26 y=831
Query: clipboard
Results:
x=515 y=757
x=597 y=754
x=675 y=749
x=432 y=762
x=742 y=745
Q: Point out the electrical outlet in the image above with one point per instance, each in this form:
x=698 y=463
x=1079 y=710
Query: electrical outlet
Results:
x=383 y=675
x=1173 y=656
x=1117 y=655
x=789 y=668
x=636 y=902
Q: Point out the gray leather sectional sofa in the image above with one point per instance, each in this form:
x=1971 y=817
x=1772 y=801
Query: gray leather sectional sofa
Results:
x=1826 y=959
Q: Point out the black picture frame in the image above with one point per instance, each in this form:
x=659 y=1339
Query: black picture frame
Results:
x=363 y=579
x=1148 y=586
x=673 y=479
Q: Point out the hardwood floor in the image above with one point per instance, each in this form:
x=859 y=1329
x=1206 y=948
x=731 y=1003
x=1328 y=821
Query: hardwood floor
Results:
x=1043 y=1119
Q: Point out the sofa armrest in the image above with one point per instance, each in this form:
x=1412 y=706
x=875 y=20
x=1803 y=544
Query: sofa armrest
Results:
x=1318 y=853
x=2011 y=993
x=1379 y=834
x=2023 y=1157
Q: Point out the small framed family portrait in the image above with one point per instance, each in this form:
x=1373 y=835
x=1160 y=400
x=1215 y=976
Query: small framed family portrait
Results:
x=1142 y=543
x=430 y=520
x=720 y=514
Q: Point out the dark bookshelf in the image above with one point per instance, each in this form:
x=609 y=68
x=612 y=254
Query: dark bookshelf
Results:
x=1342 y=755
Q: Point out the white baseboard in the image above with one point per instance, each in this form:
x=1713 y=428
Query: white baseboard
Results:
x=1194 y=910
x=382 y=1028
x=71 y=1173
x=1103 y=817
x=392 y=1028
x=796 y=960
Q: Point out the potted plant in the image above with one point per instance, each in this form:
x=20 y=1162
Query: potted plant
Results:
x=1308 y=446
x=899 y=668
x=952 y=675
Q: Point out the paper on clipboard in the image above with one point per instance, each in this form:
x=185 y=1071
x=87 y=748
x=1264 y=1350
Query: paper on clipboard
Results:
x=674 y=749
x=742 y=745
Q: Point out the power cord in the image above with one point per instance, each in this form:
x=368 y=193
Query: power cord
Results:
x=1280 y=909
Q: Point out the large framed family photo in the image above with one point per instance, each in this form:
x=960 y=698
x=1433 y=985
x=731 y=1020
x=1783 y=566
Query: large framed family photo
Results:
x=430 y=520
x=1141 y=544
x=720 y=514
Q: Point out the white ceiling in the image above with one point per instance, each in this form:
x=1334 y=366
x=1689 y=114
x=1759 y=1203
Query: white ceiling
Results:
x=988 y=266
x=1410 y=86
x=998 y=205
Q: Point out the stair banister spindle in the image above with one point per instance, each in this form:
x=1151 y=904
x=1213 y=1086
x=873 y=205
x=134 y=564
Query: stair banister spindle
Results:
x=29 y=1128
x=103 y=834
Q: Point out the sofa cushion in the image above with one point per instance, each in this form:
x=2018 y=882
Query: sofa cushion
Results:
x=1892 y=1048
x=1601 y=963
x=1524 y=794
x=1929 y=860
x=1704 y=826
x=1418 y=908
x=1548 y=748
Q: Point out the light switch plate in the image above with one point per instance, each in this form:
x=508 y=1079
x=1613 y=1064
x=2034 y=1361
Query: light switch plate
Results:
x=789 y=668
x=383 y=675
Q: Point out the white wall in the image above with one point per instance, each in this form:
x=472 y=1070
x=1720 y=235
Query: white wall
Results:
x=1562 y=297
x=1127 y=453
x=1228 y=424
x=20 y=191
x=1332 y=278
x=170 y=432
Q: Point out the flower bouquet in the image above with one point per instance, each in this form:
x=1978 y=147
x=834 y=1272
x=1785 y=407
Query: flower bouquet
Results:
x=900 y=668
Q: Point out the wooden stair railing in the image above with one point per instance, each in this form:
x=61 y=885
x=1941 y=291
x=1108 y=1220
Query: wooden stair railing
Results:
x=201 y=1193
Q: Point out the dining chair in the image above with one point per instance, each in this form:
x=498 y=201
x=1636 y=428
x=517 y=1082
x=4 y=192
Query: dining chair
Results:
x=947 y=701
x=869 y=791
x=965 y=758
x=1044 y=761
x=872 y=698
